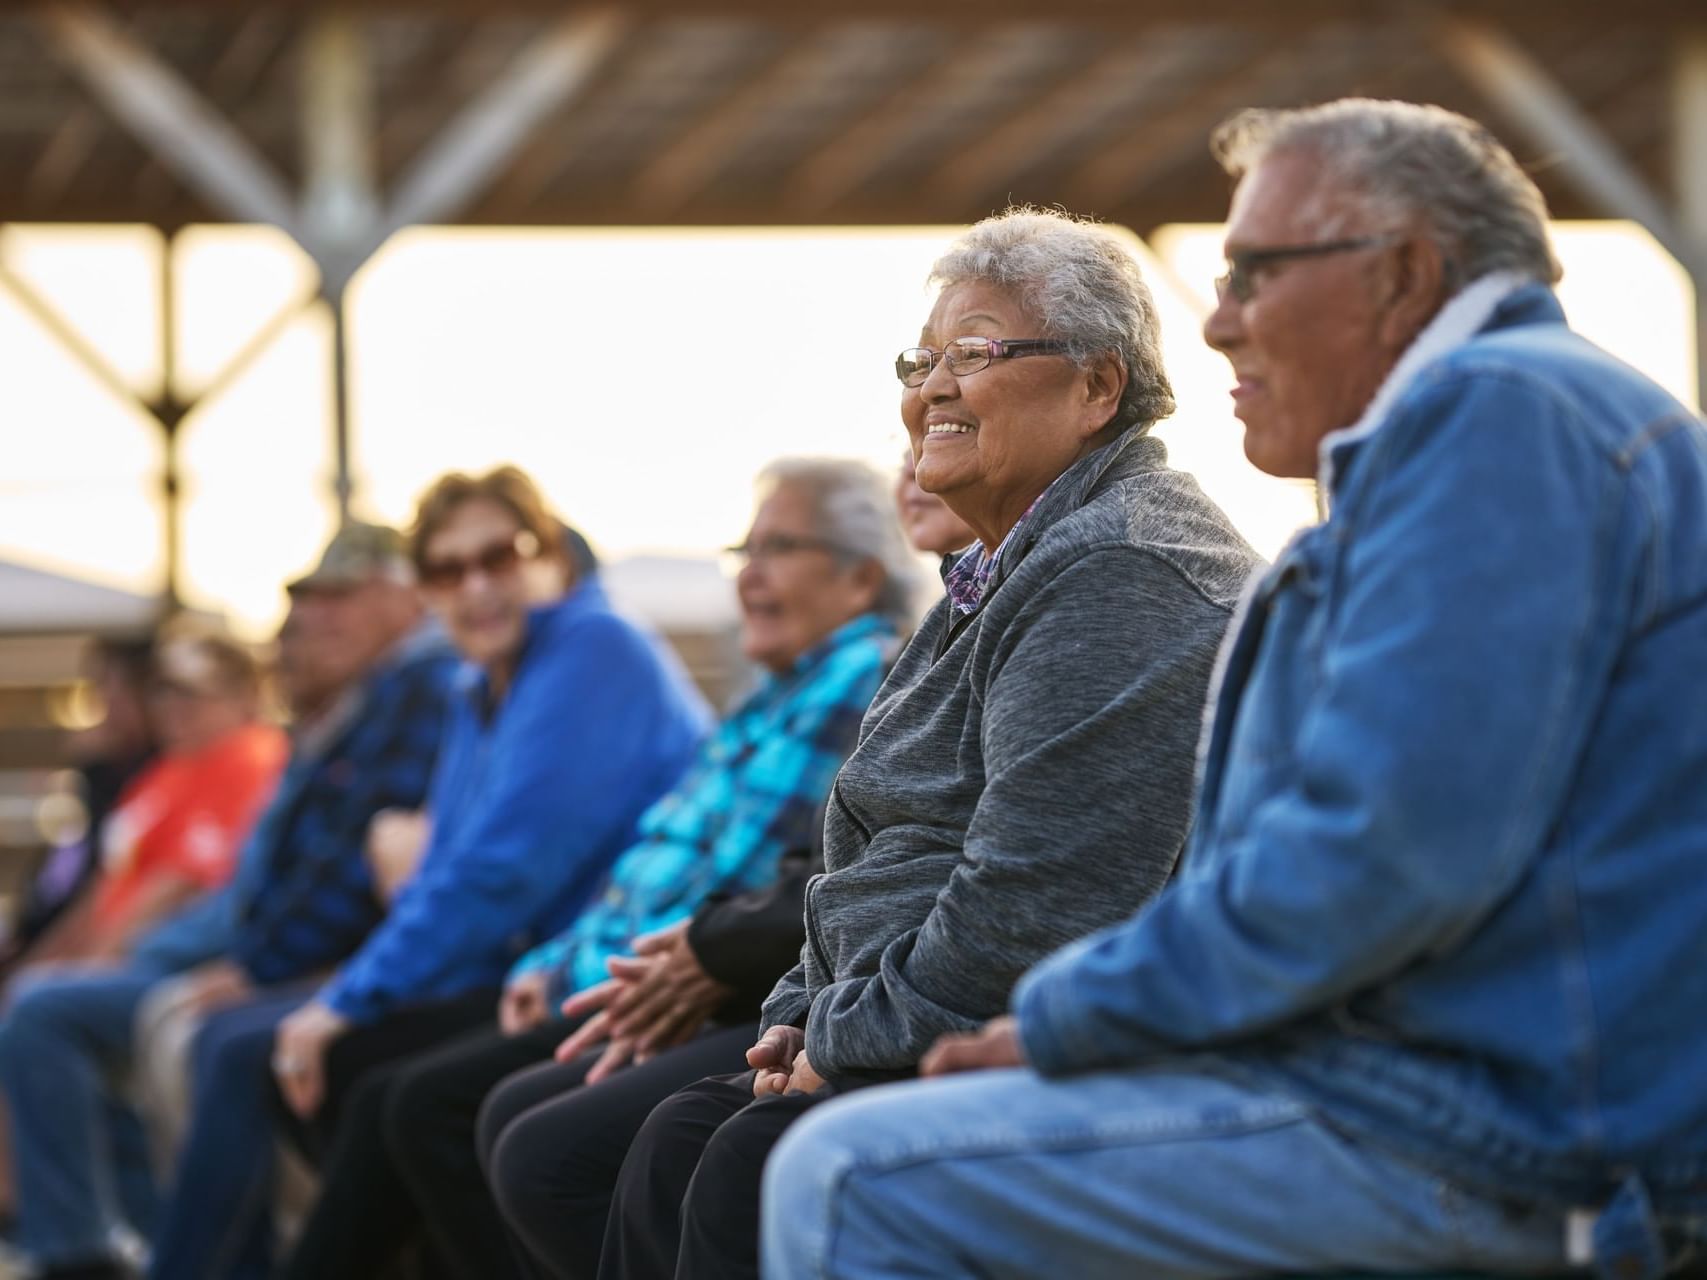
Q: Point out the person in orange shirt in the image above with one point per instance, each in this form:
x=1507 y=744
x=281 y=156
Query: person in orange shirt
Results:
x=178 y=826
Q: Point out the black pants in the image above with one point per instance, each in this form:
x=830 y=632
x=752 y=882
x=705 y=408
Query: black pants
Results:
x=552 y=1150
x=364 y=1215
x=411 y=1030
x=687 y=1199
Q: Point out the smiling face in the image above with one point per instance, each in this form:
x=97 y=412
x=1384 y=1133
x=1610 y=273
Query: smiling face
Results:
x=1313 y=343
x=990 y=442
x=485 y=611
x=793 y=592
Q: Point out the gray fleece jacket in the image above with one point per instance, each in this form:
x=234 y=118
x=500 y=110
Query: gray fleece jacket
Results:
x=1024 y=775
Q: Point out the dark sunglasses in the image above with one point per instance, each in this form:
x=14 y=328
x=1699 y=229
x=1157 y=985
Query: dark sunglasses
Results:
x=496 y=561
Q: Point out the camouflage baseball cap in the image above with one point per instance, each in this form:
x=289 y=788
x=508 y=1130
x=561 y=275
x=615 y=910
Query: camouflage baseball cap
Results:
x=357 y=553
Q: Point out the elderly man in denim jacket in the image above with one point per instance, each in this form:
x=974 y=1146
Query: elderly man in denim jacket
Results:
x=1429 y=991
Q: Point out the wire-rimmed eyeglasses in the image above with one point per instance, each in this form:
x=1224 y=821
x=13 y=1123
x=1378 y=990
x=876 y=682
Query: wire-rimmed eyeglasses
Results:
x=968 y=355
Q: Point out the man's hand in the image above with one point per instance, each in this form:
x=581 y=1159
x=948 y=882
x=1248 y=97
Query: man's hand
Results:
x=396 y=839
x=523 y=1006
x=299 y=1055
x=773 y=1059
x=995 y=1044
x=215 y=985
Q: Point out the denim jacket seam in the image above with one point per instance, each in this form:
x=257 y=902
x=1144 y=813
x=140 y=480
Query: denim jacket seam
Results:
x=1650 y=435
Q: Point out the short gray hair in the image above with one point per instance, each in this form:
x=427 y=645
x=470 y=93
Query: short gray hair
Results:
x=853 y=509
x=1404 y=162
x=1082 y=284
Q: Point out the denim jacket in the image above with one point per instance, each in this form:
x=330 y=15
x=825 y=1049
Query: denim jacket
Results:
x=1447 y=880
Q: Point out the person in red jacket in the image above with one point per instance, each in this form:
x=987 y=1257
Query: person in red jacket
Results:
x=176 y=829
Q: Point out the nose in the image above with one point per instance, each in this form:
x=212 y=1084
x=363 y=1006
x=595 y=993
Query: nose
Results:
x=939 y=384
x=1224 y=327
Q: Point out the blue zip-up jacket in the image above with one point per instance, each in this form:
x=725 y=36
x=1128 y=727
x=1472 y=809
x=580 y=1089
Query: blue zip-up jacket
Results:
x=531 y=804
x=1446 y=882
x=302 y=896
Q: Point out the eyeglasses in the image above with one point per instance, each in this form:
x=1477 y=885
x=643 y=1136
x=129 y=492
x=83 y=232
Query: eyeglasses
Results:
x=774 y=546
x=968 y=355
x=1243 y=263
x=496 y=561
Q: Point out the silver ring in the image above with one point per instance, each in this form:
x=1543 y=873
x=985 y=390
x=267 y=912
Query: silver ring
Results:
x=285 y=1066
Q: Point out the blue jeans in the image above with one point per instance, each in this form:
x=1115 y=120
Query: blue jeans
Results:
x=79 y=1150
x=1155 y=1173
x=218 y=1220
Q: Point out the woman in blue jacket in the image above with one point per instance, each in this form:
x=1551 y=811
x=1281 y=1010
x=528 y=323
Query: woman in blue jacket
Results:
x=570 y=722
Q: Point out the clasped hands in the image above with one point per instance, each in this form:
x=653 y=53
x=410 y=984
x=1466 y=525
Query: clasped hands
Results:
x=995 y=1044
x=654 y=1000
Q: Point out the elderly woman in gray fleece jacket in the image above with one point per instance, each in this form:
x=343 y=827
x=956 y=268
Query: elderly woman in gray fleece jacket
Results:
x=1024 y=776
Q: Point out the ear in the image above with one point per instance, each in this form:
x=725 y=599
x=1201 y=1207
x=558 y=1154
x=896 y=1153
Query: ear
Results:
x=1104 y=383
x=1411 y=289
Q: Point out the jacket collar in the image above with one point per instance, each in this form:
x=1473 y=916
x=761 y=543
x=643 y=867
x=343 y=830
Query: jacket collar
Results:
x=1495 y=300
x=1130 y=454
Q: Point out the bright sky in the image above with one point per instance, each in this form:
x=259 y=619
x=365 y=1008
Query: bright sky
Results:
x=643 y=377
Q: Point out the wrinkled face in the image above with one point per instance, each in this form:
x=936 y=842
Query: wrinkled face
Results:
x=484 y=595
x=1306 y=349
x=990 y=442
x=794 y=592
x=925 y=518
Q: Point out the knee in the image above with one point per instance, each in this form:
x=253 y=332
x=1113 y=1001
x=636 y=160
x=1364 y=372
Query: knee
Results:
x=221 y=1057
x=806 y=1164
x=498 y=1111
x=35 y=1016
x=517 y=1172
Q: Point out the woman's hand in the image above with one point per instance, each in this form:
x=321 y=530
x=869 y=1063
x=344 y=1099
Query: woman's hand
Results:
x=995 y=1044
x=773 y=1059
x=653 y=1001
x=523 y=1006
x=299 y=1055
x=667 y=995
x=805 y=1077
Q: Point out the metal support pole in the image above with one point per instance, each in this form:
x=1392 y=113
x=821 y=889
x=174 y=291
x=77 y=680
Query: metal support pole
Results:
x=1689 y=164
x=342 y=483
x=170 y=412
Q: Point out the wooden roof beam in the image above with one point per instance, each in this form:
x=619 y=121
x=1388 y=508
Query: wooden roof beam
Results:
x=486 y=135
x=62 y=159
x=175 y=123
x=1110 y=177
x=1522 y=90
x=839 y=167
x=1019 y=143
x=692 y=162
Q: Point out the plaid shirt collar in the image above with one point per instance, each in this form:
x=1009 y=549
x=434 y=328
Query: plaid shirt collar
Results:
x=968 y=578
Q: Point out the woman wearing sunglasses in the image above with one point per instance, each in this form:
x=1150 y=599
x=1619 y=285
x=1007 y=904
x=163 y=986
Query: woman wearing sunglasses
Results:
x=824 y=586
x=570 y=721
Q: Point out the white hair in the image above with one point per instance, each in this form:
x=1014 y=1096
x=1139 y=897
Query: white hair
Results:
x=1082 y=285
x=853 y=510
x=1406 y=163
